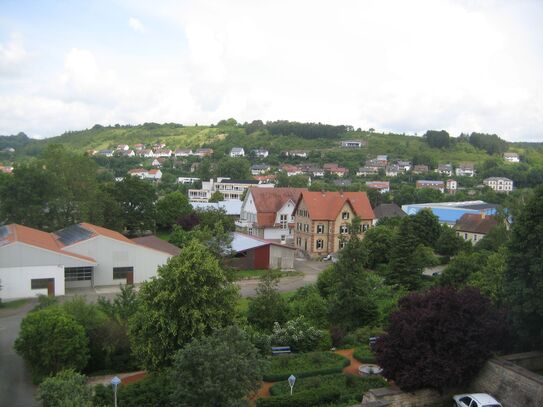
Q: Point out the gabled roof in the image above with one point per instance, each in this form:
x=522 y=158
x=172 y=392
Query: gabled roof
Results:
x=269 y=200
x=388 y=211
x=242 y=242
x=156 y=243
x=326 y=205
x=34 y=237
x=475 y=223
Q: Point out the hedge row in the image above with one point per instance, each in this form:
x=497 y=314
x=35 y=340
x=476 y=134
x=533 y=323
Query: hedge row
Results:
x=311 y=398
x=305 y=365
x=364 y=355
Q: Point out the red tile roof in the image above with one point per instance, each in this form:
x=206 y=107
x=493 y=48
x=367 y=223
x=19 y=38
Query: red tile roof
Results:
x=326 y=205
x=98 y=230
x=37 y=238
x=269 y=200
x=475 y=223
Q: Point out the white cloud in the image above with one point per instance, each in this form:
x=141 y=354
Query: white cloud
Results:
x=136 y=24
x=13 y=55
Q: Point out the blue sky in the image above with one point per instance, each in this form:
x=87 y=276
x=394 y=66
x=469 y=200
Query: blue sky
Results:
x=392 y=65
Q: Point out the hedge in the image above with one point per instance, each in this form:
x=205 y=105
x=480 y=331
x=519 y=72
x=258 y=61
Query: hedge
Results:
x=364 y=355
x=305 y=365
x=311 y=398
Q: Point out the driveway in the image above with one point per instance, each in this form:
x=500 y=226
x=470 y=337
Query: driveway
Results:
x=16 y=388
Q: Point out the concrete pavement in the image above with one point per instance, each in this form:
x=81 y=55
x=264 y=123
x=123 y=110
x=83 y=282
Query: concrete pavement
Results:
x=16 y=388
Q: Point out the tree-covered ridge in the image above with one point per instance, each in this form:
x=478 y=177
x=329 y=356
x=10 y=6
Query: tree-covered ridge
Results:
x=15 y=141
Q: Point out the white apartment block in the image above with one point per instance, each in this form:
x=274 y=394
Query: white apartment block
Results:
x=499 y=184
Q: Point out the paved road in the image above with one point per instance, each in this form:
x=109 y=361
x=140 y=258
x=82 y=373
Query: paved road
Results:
x=16 y=388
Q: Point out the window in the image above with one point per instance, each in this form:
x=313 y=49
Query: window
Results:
x=465 y=236
x=345 y=215
x=299 y=241
x=77 y=273
x=283 y=221
x=342 y=244
x=320 y=228
x=343 y=229
x=40 y=283
x=365 y=227
x=306 y=227
x=474 y=238
x=320 y=244
x=121 y=272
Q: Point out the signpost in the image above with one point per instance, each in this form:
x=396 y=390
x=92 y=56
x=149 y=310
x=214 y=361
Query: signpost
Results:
x=291 y=381
x=115 y=382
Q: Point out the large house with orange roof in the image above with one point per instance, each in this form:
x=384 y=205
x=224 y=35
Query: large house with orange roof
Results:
x=34 y=262
x=268 y=213
x=322 y=220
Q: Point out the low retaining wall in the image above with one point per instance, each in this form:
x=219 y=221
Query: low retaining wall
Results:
x=510 y=382
x=394 y=397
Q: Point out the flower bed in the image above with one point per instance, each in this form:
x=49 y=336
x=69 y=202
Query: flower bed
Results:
x=305 y=365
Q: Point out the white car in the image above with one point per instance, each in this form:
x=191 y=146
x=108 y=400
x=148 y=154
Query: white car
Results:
x=475 y=400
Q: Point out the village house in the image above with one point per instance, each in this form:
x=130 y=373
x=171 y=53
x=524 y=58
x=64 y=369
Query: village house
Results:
x=511 y=157
x=353 y=143
x=106 y=153
x=183 y=152
x=404 y=165
x=237 y=152
x=265 y=179
x=430 y=184
x=381 y=186
x=187 y=180
x=260 y=153
x=291 y=170
x=474 y=227
x=123 y=147
x=268 y=213
x=420 y=169
x=139 y=147
x=147 y=153
x=322 y=220
x=380 y=162
x=366 y=171
x=392 y=170
x=390 y=210
x=156 y=163
x=165 y=152
x=138 y=172
x=296 y=153
x=230 y=189
x=334 y=169
x=204 y=152
x=499 y=184
x=33 y=262
x=465 y=170
x=451 y=186
x=159 y=145
x=126 y=153
x=445 y=169
x=257 y=169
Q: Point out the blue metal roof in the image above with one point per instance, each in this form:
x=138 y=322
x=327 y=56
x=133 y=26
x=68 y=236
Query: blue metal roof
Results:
x=446 y=214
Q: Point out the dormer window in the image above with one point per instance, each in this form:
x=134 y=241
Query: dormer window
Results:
x=345 y=215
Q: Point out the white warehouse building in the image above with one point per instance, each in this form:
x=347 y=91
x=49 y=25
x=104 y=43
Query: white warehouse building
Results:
x=33 y=262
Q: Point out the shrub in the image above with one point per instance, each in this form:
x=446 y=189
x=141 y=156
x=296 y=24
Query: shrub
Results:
x=364 y=354
x=298 y=334
x=51 y=340
x=67 y=388
x=440 y=338
x=305 y=365
x=305 y=399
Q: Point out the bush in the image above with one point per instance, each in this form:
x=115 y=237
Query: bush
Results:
x=51 y=340
x=298 y=334
x=67 y=388
x=305 y=365
x=305 y=399
x=364 y=354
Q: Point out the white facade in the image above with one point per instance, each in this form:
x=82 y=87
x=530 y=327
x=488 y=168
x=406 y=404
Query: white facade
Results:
x=451 y=185
x=187 y=180
x=511 y=157
x=499 y=184
x=237 y=152
x=17 y=282
x=352 y=144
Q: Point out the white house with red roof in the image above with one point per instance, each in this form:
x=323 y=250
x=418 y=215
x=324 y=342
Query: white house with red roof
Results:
x=34 y=262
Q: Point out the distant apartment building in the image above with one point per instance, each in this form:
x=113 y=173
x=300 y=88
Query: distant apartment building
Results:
x=237 y=152
x=353 y=143
x=499 y=184
x=142 y=173
x=268 y=213
x=381 y=186
x=187 y=180
x=451 y=185
x=511 y=157
x=430 y=184
x=322 y=220
x=230 y=189
x=465 y=170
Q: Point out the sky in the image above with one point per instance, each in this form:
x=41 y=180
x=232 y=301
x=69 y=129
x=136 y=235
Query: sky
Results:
x=392 y=65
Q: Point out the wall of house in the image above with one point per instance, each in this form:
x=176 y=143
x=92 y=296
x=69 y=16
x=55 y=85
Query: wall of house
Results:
x=111 y=253
x=472 y=237
x=261 y=257
x=281 y=258
x=22 y=255
x=15 y=281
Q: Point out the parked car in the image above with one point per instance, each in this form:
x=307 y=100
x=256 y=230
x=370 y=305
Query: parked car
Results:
x=331 y=257
x=475 y=400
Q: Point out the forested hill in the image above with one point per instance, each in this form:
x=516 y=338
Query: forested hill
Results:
x=321 y=140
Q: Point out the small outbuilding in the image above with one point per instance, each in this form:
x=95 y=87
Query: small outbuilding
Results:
x=250 y=252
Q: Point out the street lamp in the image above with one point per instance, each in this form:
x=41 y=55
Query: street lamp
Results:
x=115 y=382
x=291 y=381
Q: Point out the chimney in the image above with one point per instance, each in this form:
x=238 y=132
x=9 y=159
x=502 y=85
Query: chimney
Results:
x=483 y=214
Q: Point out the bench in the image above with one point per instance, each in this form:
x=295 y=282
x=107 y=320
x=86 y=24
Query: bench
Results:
x=280 y=350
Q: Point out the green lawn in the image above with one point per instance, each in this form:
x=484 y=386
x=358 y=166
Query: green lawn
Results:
x=13 y=304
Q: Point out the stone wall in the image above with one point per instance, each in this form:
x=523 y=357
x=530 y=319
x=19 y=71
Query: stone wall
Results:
x=394 y=397
x=510 y=383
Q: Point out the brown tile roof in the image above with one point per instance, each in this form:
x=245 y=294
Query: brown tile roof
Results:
x=326 y=205
x=388 y=210
x=156 y=243
x=269 y=200
x=475 y=223
x=37 y=238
